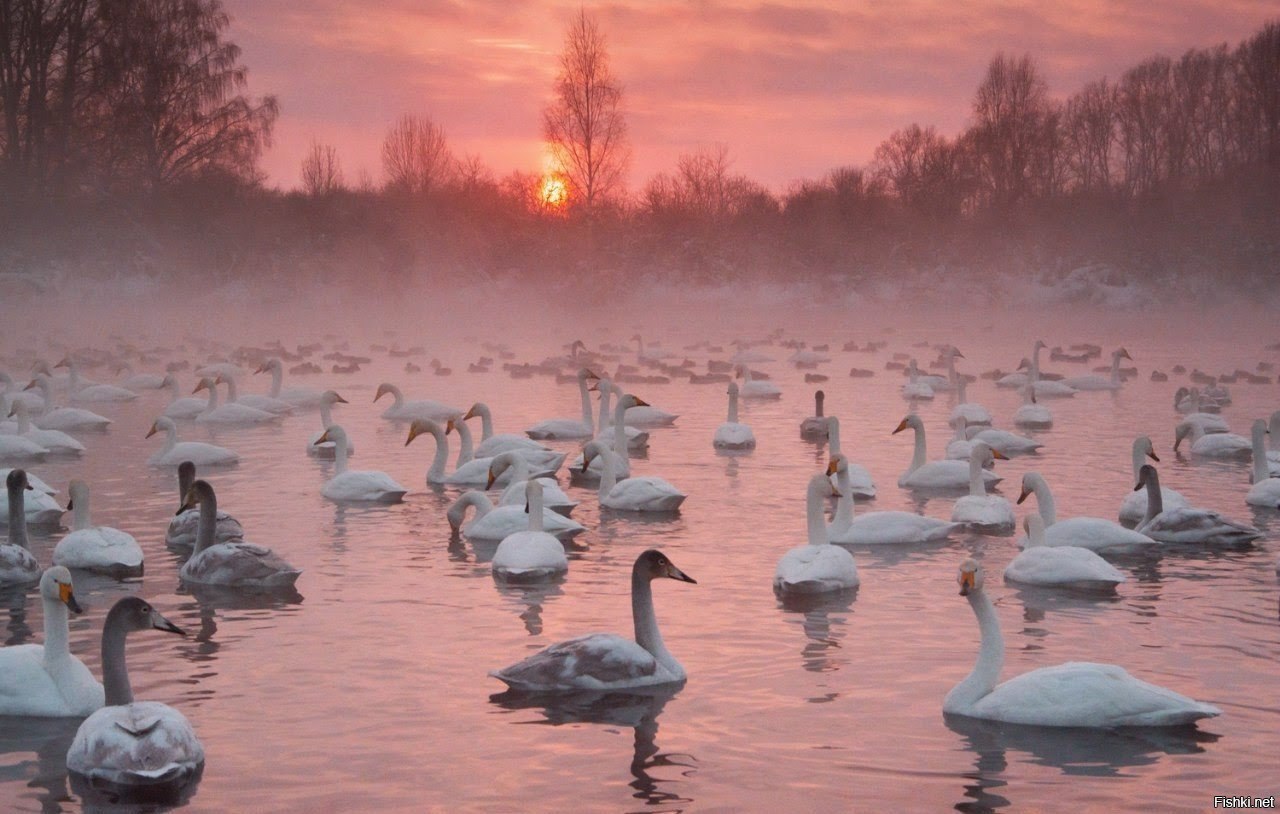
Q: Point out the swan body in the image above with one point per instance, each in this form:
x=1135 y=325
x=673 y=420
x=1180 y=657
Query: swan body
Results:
x=491 y=444
x=1134 y=507
x=325 y=449
x=635 y=494
x=186 y=523
x=513 y=469
x=817 y=567
x=1096 y=382
x=1093 y=533
x=230 y=413
x=877 y=528
x=258 y=401
x=1005 y=442
x=132 y=744
x=944 y=474
x=978 y=510
x=46 y=680
x=95 y=548
x=26 y=505
x=301 y=397
x=860 y=482
x=752 y=389
x=1212 y=445
x=1032 y=415
x=175 y=452
x=233 y=564
x=1065 y=566
x=606 y=661
x=1075 y=694
x=1186 y=524
x=1266 y=487
x=63 y=418
x=20 y=448
x=532 y=554
x=568 y=428
x=181 y=406
x=356 y=486
x=814 y=427
x=54 y=442
x=492 y=523
x=916 y=387
x=734 y=435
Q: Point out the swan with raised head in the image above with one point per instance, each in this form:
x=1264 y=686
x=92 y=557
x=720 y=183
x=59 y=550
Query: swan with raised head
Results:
x=513 y=470
x=974 y=414
x=916 y=387
x=1064 y=566
x=606 y=661
x=46 y=680
x=637 y=439
x=184 y=525
x=402 y=410
x=55 y=442
x=532 y=554
x=1134 y=507
x=860 y=482
x=639 y=415
x=491 y=444
x=28 y=502
x=1045 y=387
x=495 y=523
x=877 y=528
x=733 y=434
x=175 y=452
x=181 y=406
x=944 y=474
x=817 y=567
x=257 y=401
x=131 y=743
x=814 y=428
x=1096 y=382
x=1093 y=533
x=1212 y=445
x=990 y=514
x=1186 y=524
x=1266 y=486
x=755 y=389
x=16 y=394
x=324 y=449
x=236 y=564
x=302 y=397
x=635 y=494
x=92 y=392
x=352 y=485
x=1032 y=415
x=1076 y=694
x=230 y=414
x=569 y=428
x=63 y=418
x=582 y=469
x=95 y=548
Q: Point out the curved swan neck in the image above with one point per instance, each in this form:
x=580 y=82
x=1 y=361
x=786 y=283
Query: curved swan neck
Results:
x=1260 y=470
x=55 y=631
x=457 y=512
x=339 y=452
x=1044 y=500
x=986 y=671
x=326 y=413
x=18 y=518
x=1155 y=501
x=646 y=623
x=486 y=421
x=233 y=393
x=213 y=397
x=115 y=675
x=920 y=455
x=206 y=528
x=466 y=450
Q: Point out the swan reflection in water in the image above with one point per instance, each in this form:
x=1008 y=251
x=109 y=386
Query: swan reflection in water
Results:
x=1075 y=752
x=530 y=599
x=822 y=642
x=33 y=751
x=638 y=709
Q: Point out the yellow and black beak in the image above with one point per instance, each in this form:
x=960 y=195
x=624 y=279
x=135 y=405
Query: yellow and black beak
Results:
x=901 y=426
x=1023 y=496
x=68 y=598
x=324 y=436
x=968 y=582
x=154 y=429
x=1152 y=455
x=998 y=455
x=832 y=466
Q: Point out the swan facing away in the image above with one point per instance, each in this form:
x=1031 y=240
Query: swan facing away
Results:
x=734 y=435
x=132 y=744
x=95 y=548
x=235 y=564
x=978 y=510
x=530 y=555
x=1187 y=524
x=1075 y=694
x=817 y=567
x=356 y=486
x=46 y=680
x=814 y=428
x=1065 y=566
x=606 y=661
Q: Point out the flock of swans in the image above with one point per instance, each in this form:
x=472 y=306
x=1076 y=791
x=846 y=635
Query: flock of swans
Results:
x=129 y=743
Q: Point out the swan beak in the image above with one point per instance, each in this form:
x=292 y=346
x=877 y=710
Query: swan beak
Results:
x=69 y=598
x=641 y=402
x=676 y=573
x=488 y=484
x=13 y=412
x=832 y=466
x=902 y=426
x=448 y=427
x=1141 y=483
x=339 y=399
x=469 y=414
x=71 y=504
x=1125 y=354
x=324 y=436
x=160 y=623
x=154 y=429
x=189 y=502
x=526 y=507
x=382 y=391
x=414 y=432
x=590 y=375
x=1152 y=455
x=261 y=369
x=31 y=385
x=967 y=580
x=998 y=455
x=1023 y=496
x=63 y=363
x=957 y=354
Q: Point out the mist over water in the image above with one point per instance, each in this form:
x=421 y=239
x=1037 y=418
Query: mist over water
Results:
x=368 y=690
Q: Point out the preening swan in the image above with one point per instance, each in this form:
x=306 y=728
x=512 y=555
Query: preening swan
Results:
x=978 y=510
x=1093 y=533
x=606 y=661
x=95 y=548
x=1266 y=487
x=734 y=435
x=411 y=410
x=818 y=567
x=1002 y=441
x=131 y=743
x=530 y=555
x=877 y=528
x=46 y=680
x=492 y=523
x=814 y=427
x=356 y=486
x=1064 y=566
x=943 y=474
x=568 y=427
x=234 y=564
x=25 y=504
x=324 y=449
x=1134 y=507
x=1187 y=524
x=1080 y=694
x=635 y=494
x=184 y=525
x=175 y=452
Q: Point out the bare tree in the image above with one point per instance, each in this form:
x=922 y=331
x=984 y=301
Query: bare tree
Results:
x=416 y=156
x=321 y=171
x=1145 y=100
x=1090 y=130
x=584 y=125
x=1010 y=109
x=1258 y=60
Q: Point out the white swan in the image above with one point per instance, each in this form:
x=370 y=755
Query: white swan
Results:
x=181 y=406
x=815 y=426
x=257 y=401
x=581 y=468
x=978 y=510
x=46 y=680
x=473 y=473
x=16 y=394
x=17 y=447
x=530 y=555
x=495 y=523
x=303 y=397
x=1187 y=524
x=959 y=448
x=1064 y=566
x=186 y=523
x=1212 y=445
x=234 y=564
x=175 y=452
x=1032 y=415
x=513 y=469
x=1093 y=533
x=943 y=474
x=231 y=413
x=1134 y=507
x=637 y=439
x=974 y=414
x=95 y=548
x=356 y=486
x=1005 y=442
x=17 y=565
x=568 y=428
x=1266 y=487
x=1081 y=694
x=131 y=743
x=916 y=387
x=752 y=389
x=1044 y=388
x=1206 y=419
x=635 y=494
x=606 y=661
x=92 y=392
x=543 y=460
x=860 y=482
x=410 y=410
x=324 y=449
x=491 y=444
x=32 y=503
x=734 y=435
x=877 y=528
x=55 y=442
x=1096 y=382
x=63 y=418
x=818 y=567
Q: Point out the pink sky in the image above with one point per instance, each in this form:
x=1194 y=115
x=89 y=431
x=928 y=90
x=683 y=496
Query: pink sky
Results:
x=793 y=88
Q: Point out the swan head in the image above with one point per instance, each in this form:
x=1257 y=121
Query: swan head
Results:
x=1040 y=343
x=77 y=492
x=969 y=577
x=912 y=421
x=499 y=464
x=733 y=390
x=476 y=409
x=1028 y=486
x=985 y=454
x=1182 y=431
x=65 y=362
x=17 y=481
x=161 y=424
x=653 y=564
x=820 y=484
x=332 y=397
x=584 y=374
x=1024 y=364
x=334 y=433
x=837 y=463
x=38 y=382
x=199 y=492
x=632 y=401
x=421 y=426
x=1147 y=475
x=1142 y=444
x=384 y=389
x=135 y=613
x=206 y=383
x=222 y=378
x=589 y=452
x=271 y=364
x=449 y=426
x=1121 y=353
x=55 y=584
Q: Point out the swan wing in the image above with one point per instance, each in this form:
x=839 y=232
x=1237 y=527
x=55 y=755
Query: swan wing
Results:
x=596 y=661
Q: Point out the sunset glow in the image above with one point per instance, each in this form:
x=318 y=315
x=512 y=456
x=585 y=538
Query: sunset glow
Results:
x=554 y=192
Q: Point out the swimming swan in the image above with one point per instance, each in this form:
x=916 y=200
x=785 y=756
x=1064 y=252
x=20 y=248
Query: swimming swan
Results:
x=817 y=567
x=95 y=548
x=734 y=435
x=175 y=452
x=1064 y=566
x=530 y=555
x=1093 y=533
x=635 y=494
x=943 y=474
x=495 y=523
x=1187 y=524
x=235 y=564
x=186 y=523
x=877 y=528
x=356 y=486
x=990 y=514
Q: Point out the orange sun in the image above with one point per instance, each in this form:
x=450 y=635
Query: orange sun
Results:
x=554 y=192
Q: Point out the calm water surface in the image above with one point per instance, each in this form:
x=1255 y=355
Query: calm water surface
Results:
x=369 y=690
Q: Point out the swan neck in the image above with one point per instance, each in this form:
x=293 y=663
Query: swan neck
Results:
x=1033 y=375
x=213 y=398
x=1155 y=500
x=56 y=647
x=466 y=449
x=818 y=400
x=1115 y=368
x=844 y=504
x=115 y=675
x=1138 y=455
x=608 y=473
x=80 y=511
x=24 y=420
x=18 y=518
x=457 y=512
x=1044 y=502
x=186 y=477
x=986 y=671
x=206 y=527
x=174 y=392
x=436 y=471
x=486 y=422
x=817 y=525
x=733 y=408
x=171 y=438
x=1260 y=470
x=833 y=436
x=606 y=399
x=920 y=455
x=340 y=454
x=977 y=486
x=326 y=415
x=277 y=379
x=620 y=433
x=646 y=622
x=233 y=393
x=585 y=396
x=534 y=507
